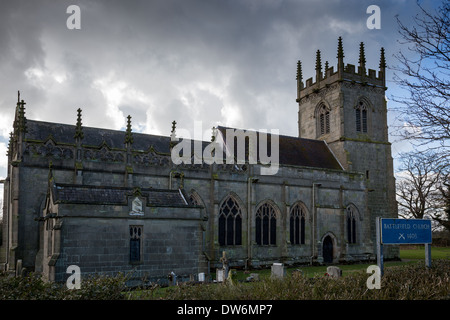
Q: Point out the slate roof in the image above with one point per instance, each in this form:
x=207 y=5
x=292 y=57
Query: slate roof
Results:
x=297 y=151
x=64 y=133
x=83 y=194
x=292 y=150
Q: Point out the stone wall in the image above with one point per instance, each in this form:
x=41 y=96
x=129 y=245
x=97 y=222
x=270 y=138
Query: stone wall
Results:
x=334 y=190
x=97 y=239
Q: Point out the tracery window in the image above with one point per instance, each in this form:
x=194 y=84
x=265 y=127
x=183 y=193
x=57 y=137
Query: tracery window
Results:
x=297 y=225
x=361 y=117
x=230 y=223
x=266 y=225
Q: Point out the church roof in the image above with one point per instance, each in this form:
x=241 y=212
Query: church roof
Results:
x=87 y=194
x=297 y=151
x=292 y=150
x=64 y=134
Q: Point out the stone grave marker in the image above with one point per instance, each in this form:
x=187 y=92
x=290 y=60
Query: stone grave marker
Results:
x=278 y=270
x=334 y=272
x=219 y=275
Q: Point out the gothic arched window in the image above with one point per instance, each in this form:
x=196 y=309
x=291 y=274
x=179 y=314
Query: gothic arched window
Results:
x=230 y=223
x=361 y=117
x=324 y=120
x=266 y=225
x=297 y=225
x=351 y=224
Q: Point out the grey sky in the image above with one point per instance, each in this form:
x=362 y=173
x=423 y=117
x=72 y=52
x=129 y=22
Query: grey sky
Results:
x=228 y=62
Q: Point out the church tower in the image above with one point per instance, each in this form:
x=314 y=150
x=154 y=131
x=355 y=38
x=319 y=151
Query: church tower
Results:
x=347 y=109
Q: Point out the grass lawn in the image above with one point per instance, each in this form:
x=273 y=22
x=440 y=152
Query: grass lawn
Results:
x=408 y=254
x=418 y=252
x=314 y=271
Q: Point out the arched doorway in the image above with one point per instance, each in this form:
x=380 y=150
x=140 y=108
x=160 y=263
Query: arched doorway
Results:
x=327 y=249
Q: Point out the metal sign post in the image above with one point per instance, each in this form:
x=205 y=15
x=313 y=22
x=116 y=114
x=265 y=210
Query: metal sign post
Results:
x=379 y=246
x=403 y=231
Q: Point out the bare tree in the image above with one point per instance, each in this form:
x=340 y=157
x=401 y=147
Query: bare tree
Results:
x=443 y=217
x=420 y=182
x=424 y=72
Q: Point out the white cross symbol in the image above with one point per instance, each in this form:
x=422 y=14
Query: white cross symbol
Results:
x=401 y=236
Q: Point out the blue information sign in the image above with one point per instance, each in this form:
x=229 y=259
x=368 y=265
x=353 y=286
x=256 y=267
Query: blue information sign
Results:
x=405 y=231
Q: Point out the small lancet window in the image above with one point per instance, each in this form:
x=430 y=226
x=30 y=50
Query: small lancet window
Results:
x=135 y=243
x=351 y=225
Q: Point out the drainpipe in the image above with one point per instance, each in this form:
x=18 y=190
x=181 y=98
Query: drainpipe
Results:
x=249 y=219
x=313 y=229
x=249 y=205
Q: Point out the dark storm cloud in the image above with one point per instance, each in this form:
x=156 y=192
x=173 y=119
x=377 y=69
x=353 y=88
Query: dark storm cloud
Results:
x=228 y=62
x=156 y=48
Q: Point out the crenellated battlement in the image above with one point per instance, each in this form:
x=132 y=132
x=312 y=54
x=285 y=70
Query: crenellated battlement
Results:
x=345 y=72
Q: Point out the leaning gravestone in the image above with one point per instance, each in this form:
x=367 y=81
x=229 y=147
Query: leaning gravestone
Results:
x=334 y=272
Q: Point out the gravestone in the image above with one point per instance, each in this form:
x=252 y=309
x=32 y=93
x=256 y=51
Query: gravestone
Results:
x=201 y=277
x=172 y=278
x=252 y=277
x=278 y=270
x=334 y=272
x=219 y=275
x=19 y=271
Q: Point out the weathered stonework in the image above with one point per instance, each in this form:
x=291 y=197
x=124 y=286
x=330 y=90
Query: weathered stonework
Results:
x=367 y=152
x=350 y=172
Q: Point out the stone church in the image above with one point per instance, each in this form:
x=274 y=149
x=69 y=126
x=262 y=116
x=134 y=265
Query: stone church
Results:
x=114 y=201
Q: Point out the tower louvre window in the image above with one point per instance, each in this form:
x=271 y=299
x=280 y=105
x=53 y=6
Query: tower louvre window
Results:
x=324 y=120
x=361 y=117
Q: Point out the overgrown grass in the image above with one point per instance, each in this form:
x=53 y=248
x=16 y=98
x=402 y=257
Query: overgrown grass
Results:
x=407 y=282
x=32 y=287
x=402 y=280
